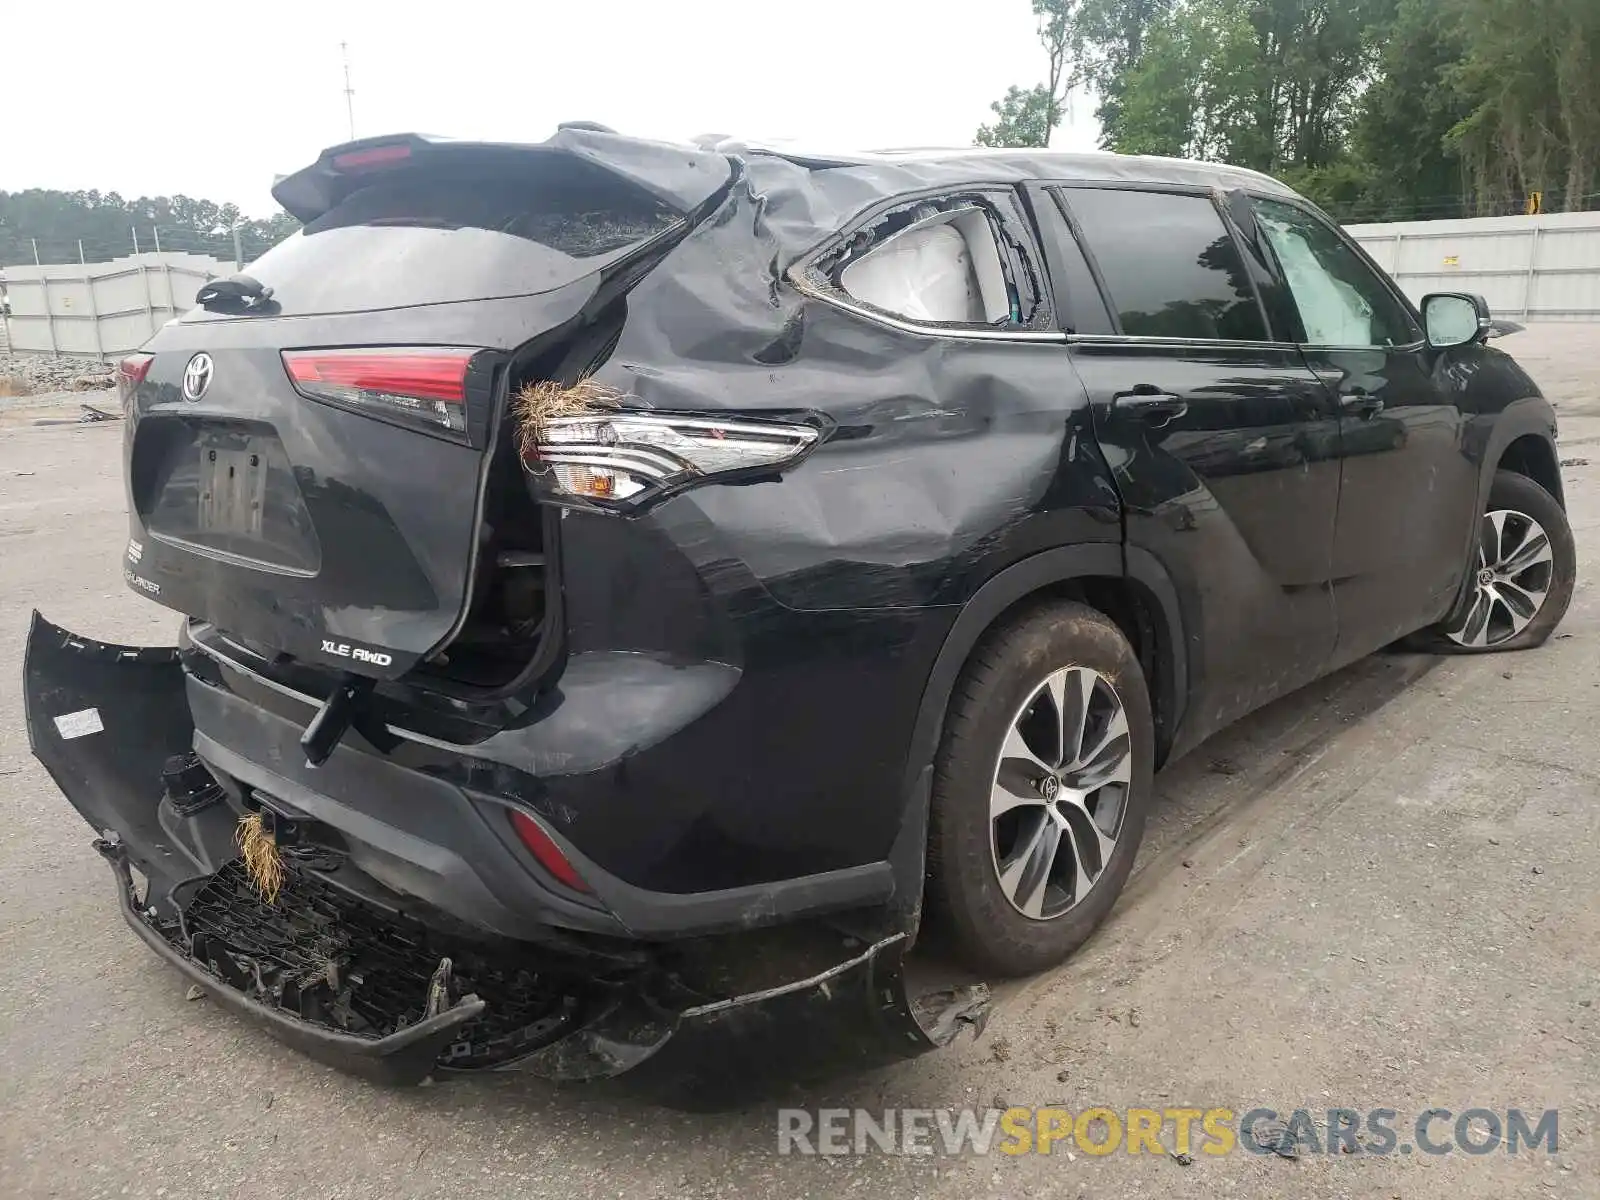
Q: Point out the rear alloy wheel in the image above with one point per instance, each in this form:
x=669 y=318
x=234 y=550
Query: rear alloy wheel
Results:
x=1060 y=788
x=1040 y=789
x=1523 y=573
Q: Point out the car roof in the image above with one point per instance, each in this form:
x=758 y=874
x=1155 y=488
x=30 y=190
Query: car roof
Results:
x=1006 y=163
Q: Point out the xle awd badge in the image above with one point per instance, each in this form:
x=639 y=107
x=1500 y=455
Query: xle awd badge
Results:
x=197 y=376
x=356 y=653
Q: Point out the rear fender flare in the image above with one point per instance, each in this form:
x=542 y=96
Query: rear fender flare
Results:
x=986 y=607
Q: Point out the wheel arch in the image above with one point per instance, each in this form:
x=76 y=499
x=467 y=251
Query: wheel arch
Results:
x=1135 y=592
x=1534 y=456
x=1522 y=439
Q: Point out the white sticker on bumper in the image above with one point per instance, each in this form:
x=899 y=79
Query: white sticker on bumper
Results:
x=79 y=724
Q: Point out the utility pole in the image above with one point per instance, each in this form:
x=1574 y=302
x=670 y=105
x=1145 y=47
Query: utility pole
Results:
x=349 y=92
x=238 y=251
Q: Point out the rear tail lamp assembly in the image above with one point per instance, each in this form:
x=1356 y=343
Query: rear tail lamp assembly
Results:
x=625 y=459
x=430 y=388
x=130 y=374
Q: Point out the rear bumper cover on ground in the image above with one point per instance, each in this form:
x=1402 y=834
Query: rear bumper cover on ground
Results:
x=103 y=719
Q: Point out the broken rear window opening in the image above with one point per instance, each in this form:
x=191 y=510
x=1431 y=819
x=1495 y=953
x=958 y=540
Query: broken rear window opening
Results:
x=941 y=261
x=426 y=236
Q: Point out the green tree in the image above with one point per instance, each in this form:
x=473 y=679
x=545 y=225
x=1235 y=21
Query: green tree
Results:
x=106 y=226
x=1028 y=116
x=1269 y=84
x=1531 y=73
x=1108 y=43
x=1405 y=118
x=1025 y=117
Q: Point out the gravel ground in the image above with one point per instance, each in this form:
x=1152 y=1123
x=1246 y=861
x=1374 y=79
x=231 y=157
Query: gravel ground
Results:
x=53 y=407
x=1378 y=892
x=46 y=373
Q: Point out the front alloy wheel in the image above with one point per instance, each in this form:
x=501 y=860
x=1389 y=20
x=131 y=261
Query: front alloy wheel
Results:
x=1515 y=569
x=1523 y=572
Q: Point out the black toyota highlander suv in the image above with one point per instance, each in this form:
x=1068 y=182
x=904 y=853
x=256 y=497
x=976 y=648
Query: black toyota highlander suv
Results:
x=632 y=590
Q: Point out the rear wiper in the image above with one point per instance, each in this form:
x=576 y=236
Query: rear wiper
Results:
x=236 y=292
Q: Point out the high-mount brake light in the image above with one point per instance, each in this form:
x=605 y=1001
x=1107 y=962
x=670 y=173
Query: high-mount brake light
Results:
x=424 y=387
x=372 y=158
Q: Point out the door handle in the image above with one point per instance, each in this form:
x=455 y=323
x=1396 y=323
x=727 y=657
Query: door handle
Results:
x=1150 y=405
x=1360 y=403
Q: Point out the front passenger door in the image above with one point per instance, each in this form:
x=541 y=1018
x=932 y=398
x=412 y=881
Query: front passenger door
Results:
x=1407 y=491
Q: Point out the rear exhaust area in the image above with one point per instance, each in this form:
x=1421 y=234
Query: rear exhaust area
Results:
x=384 y=986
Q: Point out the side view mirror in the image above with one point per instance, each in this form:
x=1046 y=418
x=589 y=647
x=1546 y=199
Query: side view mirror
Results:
x=1455 y=319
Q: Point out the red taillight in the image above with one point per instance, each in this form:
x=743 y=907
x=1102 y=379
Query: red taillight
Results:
x=373 y=156
x=544 y=848
x=423 y=386
x=130 y=374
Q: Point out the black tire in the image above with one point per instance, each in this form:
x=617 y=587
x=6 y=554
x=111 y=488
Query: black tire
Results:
x=1518 y=494
x=965 y=896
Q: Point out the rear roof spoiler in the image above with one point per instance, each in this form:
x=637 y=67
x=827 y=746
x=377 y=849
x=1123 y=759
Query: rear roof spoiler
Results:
x=682 y=176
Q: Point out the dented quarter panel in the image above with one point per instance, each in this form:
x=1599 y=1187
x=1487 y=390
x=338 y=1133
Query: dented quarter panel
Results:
x=949 y=456
x=833 y=586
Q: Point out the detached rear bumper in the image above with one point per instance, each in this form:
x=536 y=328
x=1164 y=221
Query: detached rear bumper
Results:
x=376 y=984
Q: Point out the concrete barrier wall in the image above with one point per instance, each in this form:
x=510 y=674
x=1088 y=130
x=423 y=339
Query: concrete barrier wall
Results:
x=102 y=310
x=1544 y=268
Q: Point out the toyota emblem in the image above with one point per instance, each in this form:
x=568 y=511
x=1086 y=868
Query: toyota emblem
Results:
x=197 y=377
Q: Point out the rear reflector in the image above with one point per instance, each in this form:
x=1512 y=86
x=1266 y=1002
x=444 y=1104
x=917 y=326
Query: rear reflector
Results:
x=544 y=848
x=373 y=156
x=425 y=387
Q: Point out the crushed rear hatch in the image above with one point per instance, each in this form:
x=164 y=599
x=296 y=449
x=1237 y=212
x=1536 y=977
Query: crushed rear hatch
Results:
x=311 y=452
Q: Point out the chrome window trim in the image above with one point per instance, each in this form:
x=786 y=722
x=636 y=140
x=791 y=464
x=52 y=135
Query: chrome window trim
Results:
x=1124 y=339
x=1118 y=339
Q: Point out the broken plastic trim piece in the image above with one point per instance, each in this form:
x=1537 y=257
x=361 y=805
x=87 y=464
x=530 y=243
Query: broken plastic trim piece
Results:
x=403 y=1057
x=839 y=1014
x=334 y=718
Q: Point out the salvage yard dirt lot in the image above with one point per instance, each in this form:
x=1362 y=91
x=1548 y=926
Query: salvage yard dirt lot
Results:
x=1378 y=893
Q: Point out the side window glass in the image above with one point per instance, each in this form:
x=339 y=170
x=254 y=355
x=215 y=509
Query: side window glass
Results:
x=1169 y=264
x=1341 y=302
x=948 y=261
x=1079 y=305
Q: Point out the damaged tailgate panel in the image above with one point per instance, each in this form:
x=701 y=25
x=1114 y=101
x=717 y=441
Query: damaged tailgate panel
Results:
x=376 y=991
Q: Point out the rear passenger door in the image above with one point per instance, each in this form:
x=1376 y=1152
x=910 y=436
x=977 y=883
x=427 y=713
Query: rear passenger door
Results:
x=1223 y=443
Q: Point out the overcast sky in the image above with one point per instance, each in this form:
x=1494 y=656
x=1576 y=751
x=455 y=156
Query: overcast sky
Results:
x=211 y=100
